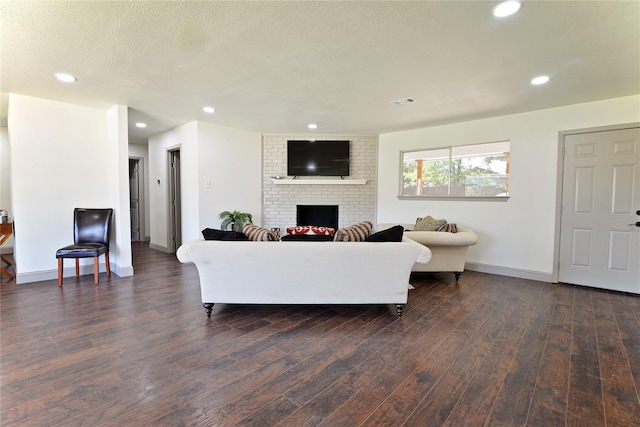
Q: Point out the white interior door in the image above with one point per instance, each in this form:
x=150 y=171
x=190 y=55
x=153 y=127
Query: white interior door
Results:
x=599 y=241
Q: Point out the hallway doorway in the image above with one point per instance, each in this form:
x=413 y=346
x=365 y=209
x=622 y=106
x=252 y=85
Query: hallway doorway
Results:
x=175 y=214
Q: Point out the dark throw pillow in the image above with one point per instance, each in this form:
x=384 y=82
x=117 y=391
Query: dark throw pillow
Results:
x=235 y=236
x=213 y=234
x=393 y=234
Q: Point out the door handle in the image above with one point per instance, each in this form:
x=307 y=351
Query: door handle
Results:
x=637 y=224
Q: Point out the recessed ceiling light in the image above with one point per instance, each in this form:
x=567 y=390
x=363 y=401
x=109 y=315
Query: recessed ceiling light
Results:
x=208 y=109
x=403 y=101
x=312 y=126
x=506 y=8
x=141 y=125
x=64 y=77
x=540 y=80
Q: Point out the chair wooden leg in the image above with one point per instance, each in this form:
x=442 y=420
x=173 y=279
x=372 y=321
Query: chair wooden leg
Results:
x=95 y=269
x=60 y=265
x=6 y=273
x=77 y=267
x=106 y=262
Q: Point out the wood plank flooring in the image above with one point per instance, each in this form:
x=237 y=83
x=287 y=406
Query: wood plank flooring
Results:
x=489 y=351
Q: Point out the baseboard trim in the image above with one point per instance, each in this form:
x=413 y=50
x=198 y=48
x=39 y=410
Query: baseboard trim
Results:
x=70 y=272
x=123 y=271
x=508 y=271
x=160 y=248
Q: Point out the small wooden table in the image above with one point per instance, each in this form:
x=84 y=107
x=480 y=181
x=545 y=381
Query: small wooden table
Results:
x=6 y=230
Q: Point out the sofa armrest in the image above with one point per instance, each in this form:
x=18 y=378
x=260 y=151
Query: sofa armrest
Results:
x=425 y=252
x=464 y=236
x=183 y=251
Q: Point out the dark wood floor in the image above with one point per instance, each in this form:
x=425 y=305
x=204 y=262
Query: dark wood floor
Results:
x=492 y=350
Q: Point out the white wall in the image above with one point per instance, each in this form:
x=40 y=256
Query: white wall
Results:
x=516 y=235
x=60 y=160
x=5 y=183
x=141 y=152
x=185 y=139
x=118 y=179
x=231 y=161
x=228 y=159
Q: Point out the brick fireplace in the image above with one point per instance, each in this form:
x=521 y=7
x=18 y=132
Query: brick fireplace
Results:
x=356 y=202
x=319 y=215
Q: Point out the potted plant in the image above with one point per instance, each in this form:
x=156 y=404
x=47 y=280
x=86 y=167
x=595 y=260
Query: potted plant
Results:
x=235 y=219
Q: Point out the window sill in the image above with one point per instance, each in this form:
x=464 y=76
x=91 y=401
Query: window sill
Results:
x=484 y=199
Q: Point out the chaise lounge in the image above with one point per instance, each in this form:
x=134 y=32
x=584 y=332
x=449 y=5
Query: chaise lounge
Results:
x=448 y=250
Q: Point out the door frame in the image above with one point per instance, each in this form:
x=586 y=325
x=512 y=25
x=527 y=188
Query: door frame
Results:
x=142 y=207
x=555 y=274
x=174 y=222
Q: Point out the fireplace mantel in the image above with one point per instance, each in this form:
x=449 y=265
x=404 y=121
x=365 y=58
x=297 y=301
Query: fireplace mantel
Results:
x=285 y=181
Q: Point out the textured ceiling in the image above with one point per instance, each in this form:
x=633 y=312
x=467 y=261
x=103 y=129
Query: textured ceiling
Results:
x=274 y=67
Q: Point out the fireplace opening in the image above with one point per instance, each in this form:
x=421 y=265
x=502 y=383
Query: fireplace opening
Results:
x=318 y=215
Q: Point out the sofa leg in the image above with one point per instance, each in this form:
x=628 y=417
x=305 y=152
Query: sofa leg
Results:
x=458 y=274
x=208 y=306
x=399 y=308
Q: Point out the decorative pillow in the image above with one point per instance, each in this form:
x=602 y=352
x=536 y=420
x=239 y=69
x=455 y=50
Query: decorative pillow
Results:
x=235 y=235
x=306 y=238
x=213 y=234
x=429 y=223
x=393 y=234
x=311 y=230
x=259 y=234
x=354 y=233
x=450 y=228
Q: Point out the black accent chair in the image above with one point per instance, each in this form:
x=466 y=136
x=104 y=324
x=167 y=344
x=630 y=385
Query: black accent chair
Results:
x=91 y=234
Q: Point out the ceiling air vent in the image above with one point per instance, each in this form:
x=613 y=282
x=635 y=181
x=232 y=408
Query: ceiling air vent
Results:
x=403 y=101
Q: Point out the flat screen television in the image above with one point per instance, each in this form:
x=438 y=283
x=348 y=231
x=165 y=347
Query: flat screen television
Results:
x=318 y=158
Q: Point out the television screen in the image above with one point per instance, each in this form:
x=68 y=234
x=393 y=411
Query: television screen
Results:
x=318 y=158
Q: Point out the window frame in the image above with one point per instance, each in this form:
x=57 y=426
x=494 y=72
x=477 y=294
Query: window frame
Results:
x=450 y=149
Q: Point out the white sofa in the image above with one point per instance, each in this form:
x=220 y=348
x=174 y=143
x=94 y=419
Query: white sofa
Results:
x=295 y=272
x=448 y=250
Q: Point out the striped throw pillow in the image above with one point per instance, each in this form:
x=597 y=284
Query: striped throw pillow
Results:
x=450 y=228
x=259 y=234
x=354 y=233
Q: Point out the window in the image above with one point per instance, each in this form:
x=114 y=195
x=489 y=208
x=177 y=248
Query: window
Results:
x=478 y=170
